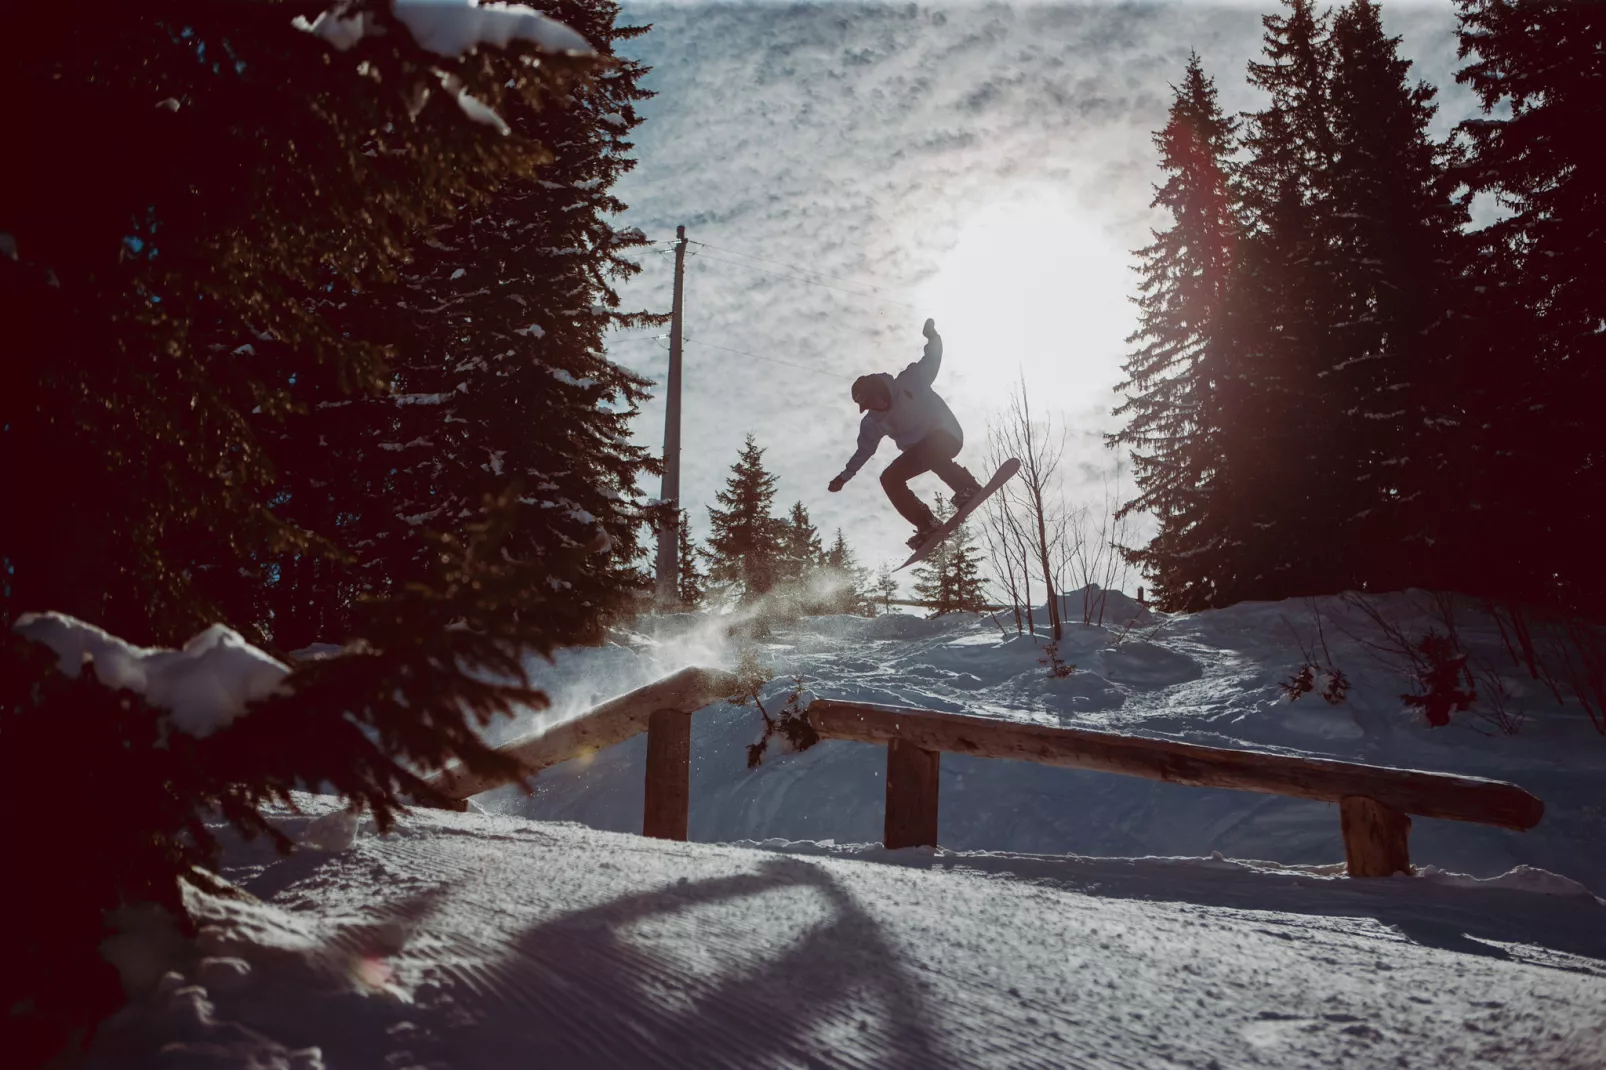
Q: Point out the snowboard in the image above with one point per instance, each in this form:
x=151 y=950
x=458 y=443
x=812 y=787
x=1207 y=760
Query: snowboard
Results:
x=951 y=525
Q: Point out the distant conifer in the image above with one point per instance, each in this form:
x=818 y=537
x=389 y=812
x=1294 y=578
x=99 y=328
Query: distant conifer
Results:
x=745 y=540
x=801 y=551
x=693 y=580
x=846 y=582
x=949 y=581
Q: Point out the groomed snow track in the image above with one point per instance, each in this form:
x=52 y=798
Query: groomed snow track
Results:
x=468 y=940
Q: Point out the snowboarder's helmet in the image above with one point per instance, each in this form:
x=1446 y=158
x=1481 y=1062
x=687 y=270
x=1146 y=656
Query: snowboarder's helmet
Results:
x=870 y=391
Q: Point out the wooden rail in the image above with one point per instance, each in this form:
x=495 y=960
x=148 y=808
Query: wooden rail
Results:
x=662 y=709
x=1373 y=801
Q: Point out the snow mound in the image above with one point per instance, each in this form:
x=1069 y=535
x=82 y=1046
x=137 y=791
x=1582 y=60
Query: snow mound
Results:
x=1100 y=606
x=1517 y=879
x=205 y=686
x=908 y=626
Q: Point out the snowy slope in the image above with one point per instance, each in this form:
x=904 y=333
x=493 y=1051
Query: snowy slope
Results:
x=1208 y=678
x=483 y=941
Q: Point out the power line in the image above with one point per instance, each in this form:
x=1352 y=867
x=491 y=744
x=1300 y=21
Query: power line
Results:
x=659 y=339
x=807 y=271
x=811 y=282
x=772 y=360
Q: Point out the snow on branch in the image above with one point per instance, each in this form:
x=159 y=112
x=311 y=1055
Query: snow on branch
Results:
x=206 y=685
x=336 y=29
x=451 y=27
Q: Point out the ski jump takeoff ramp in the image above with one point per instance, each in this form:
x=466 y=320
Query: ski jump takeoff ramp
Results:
x=1375 y=802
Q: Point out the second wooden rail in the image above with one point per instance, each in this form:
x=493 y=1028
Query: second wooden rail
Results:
x=1374 y=801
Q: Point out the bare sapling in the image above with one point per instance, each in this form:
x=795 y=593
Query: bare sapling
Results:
x=1435 y=661
x=1091 y=548
x=790 y=722
x=1579 y=648
x=1039 y=449
x=1566 y=654
x=1009 y=543
x=996 y=536
x=1317 y=673
x=1057 y=667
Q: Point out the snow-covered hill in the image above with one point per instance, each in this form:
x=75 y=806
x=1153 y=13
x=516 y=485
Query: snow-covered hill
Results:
x=1207 y=678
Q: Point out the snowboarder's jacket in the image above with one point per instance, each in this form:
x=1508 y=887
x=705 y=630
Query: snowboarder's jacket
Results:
x=916 y=410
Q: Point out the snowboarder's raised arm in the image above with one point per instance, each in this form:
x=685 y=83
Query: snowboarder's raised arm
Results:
x=924 y=371
x=870 y=435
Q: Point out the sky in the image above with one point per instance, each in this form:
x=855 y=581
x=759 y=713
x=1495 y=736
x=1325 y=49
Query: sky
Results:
x=987 y=165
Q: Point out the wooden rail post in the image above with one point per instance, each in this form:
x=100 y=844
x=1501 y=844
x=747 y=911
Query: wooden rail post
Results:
x=668 y=775
x=912 y=776
x=1376 y=837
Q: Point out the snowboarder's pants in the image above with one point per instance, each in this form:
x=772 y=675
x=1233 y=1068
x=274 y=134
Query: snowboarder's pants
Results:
x=934 y=453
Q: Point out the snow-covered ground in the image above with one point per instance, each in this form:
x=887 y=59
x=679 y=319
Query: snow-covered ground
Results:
x=1208 y=678
x=1050 y=931
x=483 y=941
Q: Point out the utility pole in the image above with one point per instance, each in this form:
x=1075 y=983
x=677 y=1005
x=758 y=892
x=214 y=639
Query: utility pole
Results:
x=669 y=493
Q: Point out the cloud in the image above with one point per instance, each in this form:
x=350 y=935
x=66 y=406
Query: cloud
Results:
x=870 y=143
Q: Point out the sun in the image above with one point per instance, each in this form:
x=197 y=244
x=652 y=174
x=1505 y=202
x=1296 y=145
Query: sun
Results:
x=1033 y=287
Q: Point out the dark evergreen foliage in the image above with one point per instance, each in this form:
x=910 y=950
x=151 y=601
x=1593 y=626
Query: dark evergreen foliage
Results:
x=1270 y=509
x=1335 y=385
x=245 y=381
x=1175 y=373
x=498 y=380
x=1539 y=382
x=1394 y=233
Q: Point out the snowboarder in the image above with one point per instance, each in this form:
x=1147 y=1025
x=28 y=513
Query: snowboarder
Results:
x=921 y=425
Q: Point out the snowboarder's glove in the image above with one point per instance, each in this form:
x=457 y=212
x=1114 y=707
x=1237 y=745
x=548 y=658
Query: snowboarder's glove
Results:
x=837 y=484
x=930 y=329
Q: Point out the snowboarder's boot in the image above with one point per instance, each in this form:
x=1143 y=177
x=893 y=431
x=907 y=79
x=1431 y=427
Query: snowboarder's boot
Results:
x=961 y=497
x=918 y=539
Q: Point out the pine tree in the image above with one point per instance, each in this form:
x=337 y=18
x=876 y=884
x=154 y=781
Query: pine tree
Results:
x=886 y=586
x=801 y=551
x=928 y=575
x=745 y=539
x=1173 y=427
x=1272 y=540
x=1394 y=227
x=693 y=581
x=1545 y=300
x=962 y=589
x=499 y=381
x=949 y=581
x=188 y=288
x=849 y=593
